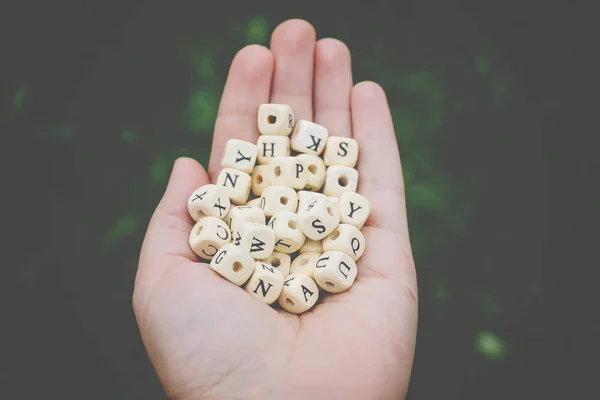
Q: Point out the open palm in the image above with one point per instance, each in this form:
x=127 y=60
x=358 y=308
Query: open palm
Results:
x=208 y=338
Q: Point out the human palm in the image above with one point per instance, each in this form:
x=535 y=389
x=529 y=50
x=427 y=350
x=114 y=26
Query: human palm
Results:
x=208 y=338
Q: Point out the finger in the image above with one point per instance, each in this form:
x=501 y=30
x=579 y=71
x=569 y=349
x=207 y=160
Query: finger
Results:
x=293 y=44
x=248 y=86
x=380 y=172
x=333 y=82
x=170 y=226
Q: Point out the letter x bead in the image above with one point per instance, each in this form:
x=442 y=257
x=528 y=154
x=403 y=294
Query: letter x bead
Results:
x=208 y=200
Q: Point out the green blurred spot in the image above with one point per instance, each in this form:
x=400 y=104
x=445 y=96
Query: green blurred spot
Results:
x=489 y=345
x=429 y=195
x=490 y=303
x=125 y=226
x=201 y=111
x=499 y=91
x=258 y=30
x=441 y=291
x=129 y=136
x=482 y=64
x=159 y=169
x=19 y=97
x=205 y=67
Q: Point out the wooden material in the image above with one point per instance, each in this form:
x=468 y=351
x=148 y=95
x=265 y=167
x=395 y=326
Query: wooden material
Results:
x=346 y=238
x=335 y=271
x=312 y=246
x=341 y=151
x=299 y=294
x=288 y=235
x=271 y=146
x=208 y=236
x=240 y=155
x=275 y=119
x=319 y=218
x=309 y=138
x=265 y=284
x=241 y=214
x=208 y=201
x=236 y=183
x=288 y=171
x=256 y=239
x=279 y=261
x=340 y=179
x=233 y=263
x=305 y=263
x=316 y=171
x=354 y=209
x=278 y=198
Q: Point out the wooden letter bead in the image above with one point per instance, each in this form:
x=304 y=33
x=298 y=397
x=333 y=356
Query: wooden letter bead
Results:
x=256 y=239
x=335 y=271
x=275 y=119
x=240 y=155
x=335 y=200
x=319 y=218
x=309 y=138
x=236 y=183
x=340 y=179
x=316 y=171
x=233 y=263
x=261 y=179
x=354 y=209
x=341 y=151
x=279 y=261
x=208 y=236
x=300 y=293
x=239 y=215
x=278 y=198
x=208 y=200
x=288 y=171
x=346 y=238
x=304 y=197
x=288 y=235
x=265 y=283
x=305 y=263
x=270 y=146
x=311 y=246
x=254 y=203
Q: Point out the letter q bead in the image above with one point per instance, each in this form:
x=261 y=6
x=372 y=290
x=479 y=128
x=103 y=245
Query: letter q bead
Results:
x=233 y=263
x=208 y=236
x=346 y=238
x=340 y=179
x=208 y=201
x=299 y=294
x=335 y=271
x=265 y=283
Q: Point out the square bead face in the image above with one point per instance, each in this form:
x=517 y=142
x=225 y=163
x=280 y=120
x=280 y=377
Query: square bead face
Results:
x=288 y=171
x=265 y=284
x=341 y=151
x=270 y=146
x=208 y=236
x=239 y=215
x=299 y=293
x=275 y=119
x=316 y=171
x=288 y=235
x=309 y=138
x=208 y=201
x=240 y=155
x=233 y=263
x=279 y=261
x=335 y=271
x=236 y=183
x=319 y=218
x=354 y=209
x=340 y=179
x=256 y=239
x=347 y=239
x=278 y=198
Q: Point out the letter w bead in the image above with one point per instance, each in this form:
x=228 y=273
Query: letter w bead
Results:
x=257 y=245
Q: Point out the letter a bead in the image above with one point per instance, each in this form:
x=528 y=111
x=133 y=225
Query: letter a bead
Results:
x=239 y=154
x=265 y=283
x=208 y=200
x=335 y=271
x=300 y=293
x=309 y=138
x=340 y=151
x=256 y=239
x=340 y=179
x=319 y=218
x=346 y=238
x=208 y=236
x=236 y=183
x=275 y=119
x=354 y=209
x=233 y=263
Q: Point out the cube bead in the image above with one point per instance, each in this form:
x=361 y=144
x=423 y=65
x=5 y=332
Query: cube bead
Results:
x=299 y=294
x=208 y=200
x=233 y=263
x=335 y=271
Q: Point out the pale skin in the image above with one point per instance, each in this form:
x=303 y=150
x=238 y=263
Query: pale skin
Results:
x=207 y=338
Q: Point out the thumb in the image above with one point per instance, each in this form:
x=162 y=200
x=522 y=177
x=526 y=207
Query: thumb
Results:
x=167 y=236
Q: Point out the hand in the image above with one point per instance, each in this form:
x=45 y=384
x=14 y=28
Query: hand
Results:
x=206 y=337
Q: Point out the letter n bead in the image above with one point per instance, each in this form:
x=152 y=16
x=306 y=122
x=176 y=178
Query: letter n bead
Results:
x=236 y=183
x=265 y=283
x=239 y=154
x=309 y=138
x=208 y=201
x=335 y=271
x=208 y=236
x=300 y=293
x=233 y=263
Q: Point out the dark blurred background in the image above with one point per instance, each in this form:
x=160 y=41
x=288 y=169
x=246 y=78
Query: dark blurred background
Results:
x=99 y=98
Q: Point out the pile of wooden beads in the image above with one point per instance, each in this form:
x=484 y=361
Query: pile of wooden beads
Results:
x=281 y=221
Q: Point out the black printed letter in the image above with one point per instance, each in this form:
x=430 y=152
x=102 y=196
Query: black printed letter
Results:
x=345 y=266
x=257 y=245
x=319 y=227
x=305 y=291
x=261 y=286
x=272 y=149
x=241 y=157
x=345 y=149
x=352 y=209
x=315 y=145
